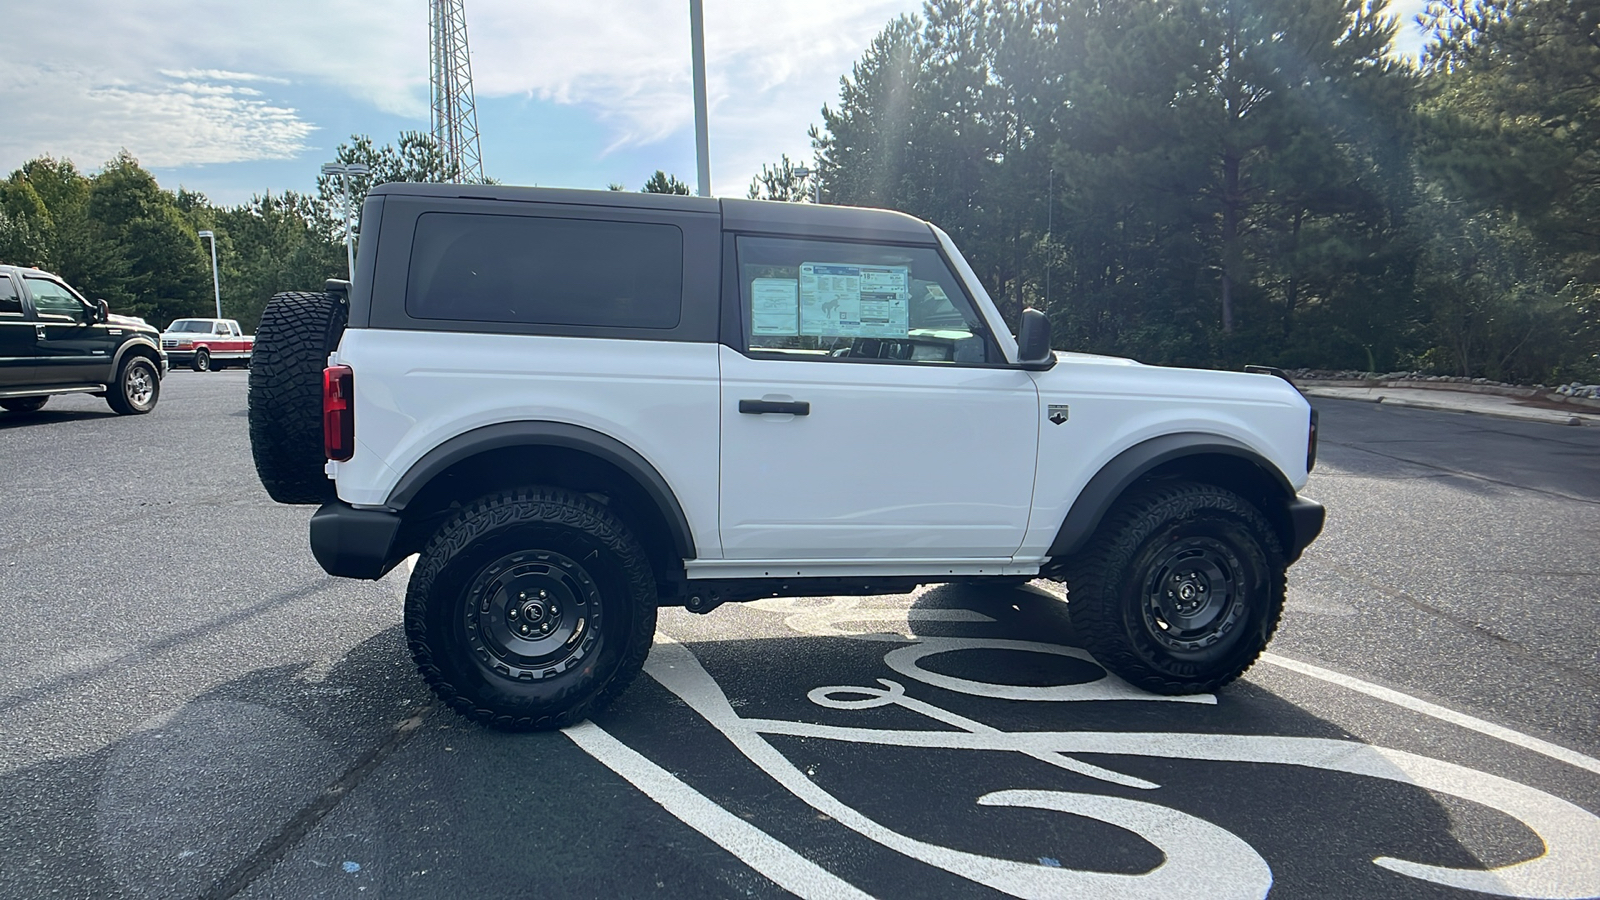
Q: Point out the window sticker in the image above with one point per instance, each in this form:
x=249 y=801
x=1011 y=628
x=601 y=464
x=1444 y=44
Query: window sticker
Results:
x=844 y=300
x=775 y=306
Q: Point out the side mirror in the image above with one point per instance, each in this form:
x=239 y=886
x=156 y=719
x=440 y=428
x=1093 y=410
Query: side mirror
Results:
x=1033 y=341
x=102 y=311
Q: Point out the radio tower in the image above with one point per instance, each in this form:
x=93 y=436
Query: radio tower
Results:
x=455 y=117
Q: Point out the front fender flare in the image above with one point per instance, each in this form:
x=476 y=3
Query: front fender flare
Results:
x=129 y=344
x=1127 y=467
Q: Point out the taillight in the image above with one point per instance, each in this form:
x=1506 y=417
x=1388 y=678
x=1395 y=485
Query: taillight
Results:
x=338 y=412
x=1311 y=443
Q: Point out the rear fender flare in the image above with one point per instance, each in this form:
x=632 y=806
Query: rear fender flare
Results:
x=549 y=434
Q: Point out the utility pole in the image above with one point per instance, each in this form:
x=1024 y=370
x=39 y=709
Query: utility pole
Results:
x=455 y=115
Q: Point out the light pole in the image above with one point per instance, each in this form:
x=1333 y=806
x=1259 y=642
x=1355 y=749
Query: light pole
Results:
x=346 y=171
x=216 y=284
x=697 y=53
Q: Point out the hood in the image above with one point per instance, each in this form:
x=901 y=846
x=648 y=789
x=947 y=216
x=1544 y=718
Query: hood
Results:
x=130 y=322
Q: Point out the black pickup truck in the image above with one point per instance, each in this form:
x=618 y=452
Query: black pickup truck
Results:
x=53 y=341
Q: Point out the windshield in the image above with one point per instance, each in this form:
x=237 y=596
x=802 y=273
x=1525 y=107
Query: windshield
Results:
x=200 y=326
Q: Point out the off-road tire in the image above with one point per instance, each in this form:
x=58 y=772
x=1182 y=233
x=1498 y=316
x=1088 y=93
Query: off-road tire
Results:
x=201 y=361
x=458 y=609
x=136 y=389
x=24 y=404
x=1175 y=533
x=298 y=330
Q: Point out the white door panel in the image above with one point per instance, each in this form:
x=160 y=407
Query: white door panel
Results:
x=889 y=461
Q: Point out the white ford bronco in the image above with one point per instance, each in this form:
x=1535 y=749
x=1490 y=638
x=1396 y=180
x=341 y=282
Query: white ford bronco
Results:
x=578 y=406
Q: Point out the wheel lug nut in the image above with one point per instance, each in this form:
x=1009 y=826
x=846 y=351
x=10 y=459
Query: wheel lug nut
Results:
x=512 y=613
x=543 y=594
x=523 y=629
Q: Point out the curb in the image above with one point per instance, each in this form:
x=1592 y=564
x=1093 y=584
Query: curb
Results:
x=1548 y=417
x=1502 y=390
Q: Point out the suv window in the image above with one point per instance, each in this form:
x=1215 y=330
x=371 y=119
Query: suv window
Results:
x=826 y=300
x=10 y=303
x=545 y=271
x=53 y=300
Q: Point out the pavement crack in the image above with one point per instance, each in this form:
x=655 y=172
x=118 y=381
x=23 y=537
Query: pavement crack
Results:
x=300 y=824
x=1463 y=624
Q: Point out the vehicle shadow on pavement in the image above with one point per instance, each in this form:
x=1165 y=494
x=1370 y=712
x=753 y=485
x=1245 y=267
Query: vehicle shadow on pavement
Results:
x=51 y=417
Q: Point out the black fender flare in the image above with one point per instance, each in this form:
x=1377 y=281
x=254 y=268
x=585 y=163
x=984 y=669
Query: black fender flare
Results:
x=549 y=434
x=1127 y=467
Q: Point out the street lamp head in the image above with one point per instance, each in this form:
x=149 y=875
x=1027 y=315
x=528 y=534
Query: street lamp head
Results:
x=333 y=169
x=356 y=169
x=208 y=234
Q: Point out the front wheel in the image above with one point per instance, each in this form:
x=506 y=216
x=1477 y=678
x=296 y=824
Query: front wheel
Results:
x=137 y=388
x=201 y=361
x=531 y=609
x=1180 y=589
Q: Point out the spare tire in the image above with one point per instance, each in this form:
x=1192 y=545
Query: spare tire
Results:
x=298 y=330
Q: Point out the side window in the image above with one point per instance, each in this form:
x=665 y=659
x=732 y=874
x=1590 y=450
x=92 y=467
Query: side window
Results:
x=10 y=303
x=222 y=328
x=51 y=300
x=545 y=271
x=827 y=300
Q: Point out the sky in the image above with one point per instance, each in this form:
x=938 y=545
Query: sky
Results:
x=233 y=99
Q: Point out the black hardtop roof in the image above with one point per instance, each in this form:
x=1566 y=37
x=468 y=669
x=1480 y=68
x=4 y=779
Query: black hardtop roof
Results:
x=766 y=216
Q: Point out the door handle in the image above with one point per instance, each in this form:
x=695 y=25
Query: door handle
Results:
x=762 y=407
x=38 y=332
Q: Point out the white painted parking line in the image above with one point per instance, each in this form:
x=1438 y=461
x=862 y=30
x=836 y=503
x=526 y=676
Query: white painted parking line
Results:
x=754 y=847
x=1444 y=714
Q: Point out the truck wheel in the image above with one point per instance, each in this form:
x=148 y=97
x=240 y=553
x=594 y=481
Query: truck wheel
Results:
x=1180 y=589
x=531 y=609
x=201 y=361
x=298 y=331
x=137 y=388
x=24 y=404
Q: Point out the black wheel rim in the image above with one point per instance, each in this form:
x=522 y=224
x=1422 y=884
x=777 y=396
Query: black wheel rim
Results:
x=532 y=615
x=1193 y=597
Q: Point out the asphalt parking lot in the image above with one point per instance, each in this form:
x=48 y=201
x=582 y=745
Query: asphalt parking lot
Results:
x=190 y=708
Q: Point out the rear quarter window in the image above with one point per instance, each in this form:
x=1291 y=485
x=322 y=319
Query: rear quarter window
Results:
x=536 y=270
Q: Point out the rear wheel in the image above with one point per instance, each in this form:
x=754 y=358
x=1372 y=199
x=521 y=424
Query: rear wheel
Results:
x=1180 y=589
x=531 y=609
x=298 y=331
x=137 y=387
x=24 y=404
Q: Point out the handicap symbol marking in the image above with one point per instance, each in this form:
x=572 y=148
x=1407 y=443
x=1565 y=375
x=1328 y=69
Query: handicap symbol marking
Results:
x=1201 y=858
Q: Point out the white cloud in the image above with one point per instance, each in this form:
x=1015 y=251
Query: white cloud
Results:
x=180 y=84
x=770 y=67
x=163 y=122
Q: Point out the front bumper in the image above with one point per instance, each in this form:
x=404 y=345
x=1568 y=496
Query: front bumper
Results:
x=354 y=543
x=1306 y=518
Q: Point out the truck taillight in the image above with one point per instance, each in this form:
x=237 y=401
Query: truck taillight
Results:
x=338 y=412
